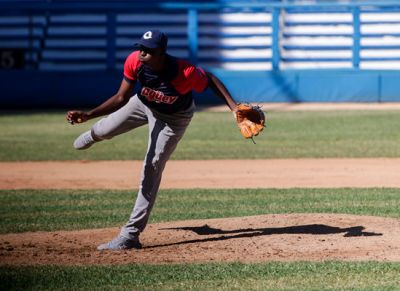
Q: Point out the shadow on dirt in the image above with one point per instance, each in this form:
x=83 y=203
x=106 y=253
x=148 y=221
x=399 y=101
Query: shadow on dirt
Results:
x=314 y=229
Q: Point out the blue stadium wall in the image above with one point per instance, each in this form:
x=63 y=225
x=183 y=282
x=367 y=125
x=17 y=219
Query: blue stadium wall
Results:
x=41 y=87
x=85 y=89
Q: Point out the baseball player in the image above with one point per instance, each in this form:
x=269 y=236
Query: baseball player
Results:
x=163 y=101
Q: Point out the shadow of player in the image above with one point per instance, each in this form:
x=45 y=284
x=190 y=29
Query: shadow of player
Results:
x=313 y=229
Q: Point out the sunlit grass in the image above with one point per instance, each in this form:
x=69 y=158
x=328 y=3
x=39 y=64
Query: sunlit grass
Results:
x=222 y=276
x=32 y=210
x=211 y=135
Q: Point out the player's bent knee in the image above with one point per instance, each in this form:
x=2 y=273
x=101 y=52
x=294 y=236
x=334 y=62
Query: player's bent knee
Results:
x=99 y=133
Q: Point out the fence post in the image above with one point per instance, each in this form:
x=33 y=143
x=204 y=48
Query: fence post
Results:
x=31 y=43
x=275 y=39
x=111 y=40
x=356 y=37
x=193 y=31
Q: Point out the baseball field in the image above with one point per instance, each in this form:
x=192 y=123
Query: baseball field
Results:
x=313 y=205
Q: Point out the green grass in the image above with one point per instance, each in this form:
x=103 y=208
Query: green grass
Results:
x=33 y=210
x=225 y=276
x=46 y=136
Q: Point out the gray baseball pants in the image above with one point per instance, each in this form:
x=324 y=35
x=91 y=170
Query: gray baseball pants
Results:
x=165 y=131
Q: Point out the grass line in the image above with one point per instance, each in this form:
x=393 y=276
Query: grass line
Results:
x=47 y=136
x=47 y=210
x=223 y=276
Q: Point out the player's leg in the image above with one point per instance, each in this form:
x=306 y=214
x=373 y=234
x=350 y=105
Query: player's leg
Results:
x=128 y=117
x=164 y=136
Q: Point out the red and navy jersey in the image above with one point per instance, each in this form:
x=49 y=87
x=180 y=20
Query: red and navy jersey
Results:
x=167 y=91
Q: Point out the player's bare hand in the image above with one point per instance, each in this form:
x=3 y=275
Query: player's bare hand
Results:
x=76 y=116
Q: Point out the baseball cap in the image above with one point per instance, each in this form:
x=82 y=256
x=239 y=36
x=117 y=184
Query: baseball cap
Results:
x=153 y=39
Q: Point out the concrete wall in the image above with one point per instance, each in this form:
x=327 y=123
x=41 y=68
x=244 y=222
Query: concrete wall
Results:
x=25 y=89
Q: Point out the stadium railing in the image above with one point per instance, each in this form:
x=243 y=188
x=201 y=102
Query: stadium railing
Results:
x=81 y=35
x=278 y=49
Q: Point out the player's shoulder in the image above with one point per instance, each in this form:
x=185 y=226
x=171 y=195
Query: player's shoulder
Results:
x=133 y=58
x=191 y=77
x=184 y=64
x=187 y=68
x=132 y=66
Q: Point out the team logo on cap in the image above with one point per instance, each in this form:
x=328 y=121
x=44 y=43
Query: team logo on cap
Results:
x=147 y=35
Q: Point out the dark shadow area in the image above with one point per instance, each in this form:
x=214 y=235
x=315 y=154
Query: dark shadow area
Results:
x=313 y=229
x=32 y=111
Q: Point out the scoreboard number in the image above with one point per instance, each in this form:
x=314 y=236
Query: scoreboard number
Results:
x=11 y=58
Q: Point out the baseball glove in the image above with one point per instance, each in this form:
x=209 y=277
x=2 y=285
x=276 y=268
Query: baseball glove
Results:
x=250 y=119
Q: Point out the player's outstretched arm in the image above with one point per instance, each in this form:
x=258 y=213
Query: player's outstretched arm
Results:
x=250 y=119
x=109 y=106
x=221 y=91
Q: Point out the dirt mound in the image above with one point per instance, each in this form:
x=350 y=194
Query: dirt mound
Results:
x=294 y=237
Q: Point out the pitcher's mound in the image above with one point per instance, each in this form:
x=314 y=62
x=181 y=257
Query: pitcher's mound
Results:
x=292 y=237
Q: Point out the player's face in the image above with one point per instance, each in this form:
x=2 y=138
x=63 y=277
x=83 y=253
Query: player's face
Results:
x=151 y=57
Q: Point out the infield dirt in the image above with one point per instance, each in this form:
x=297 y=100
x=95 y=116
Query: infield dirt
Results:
x=269 y=173
x=290 y=237
x=294 y=237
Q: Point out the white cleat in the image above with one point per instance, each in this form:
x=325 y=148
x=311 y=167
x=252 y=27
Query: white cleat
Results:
x=84 y=141
x=120 y=243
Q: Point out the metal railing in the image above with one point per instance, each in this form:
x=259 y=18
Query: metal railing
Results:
x=189 y=37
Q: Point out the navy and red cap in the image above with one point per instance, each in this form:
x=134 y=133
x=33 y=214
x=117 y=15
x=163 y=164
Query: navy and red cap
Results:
x=153 y=39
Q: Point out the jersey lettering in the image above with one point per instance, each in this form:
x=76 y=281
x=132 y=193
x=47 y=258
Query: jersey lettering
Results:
x=157 y=96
